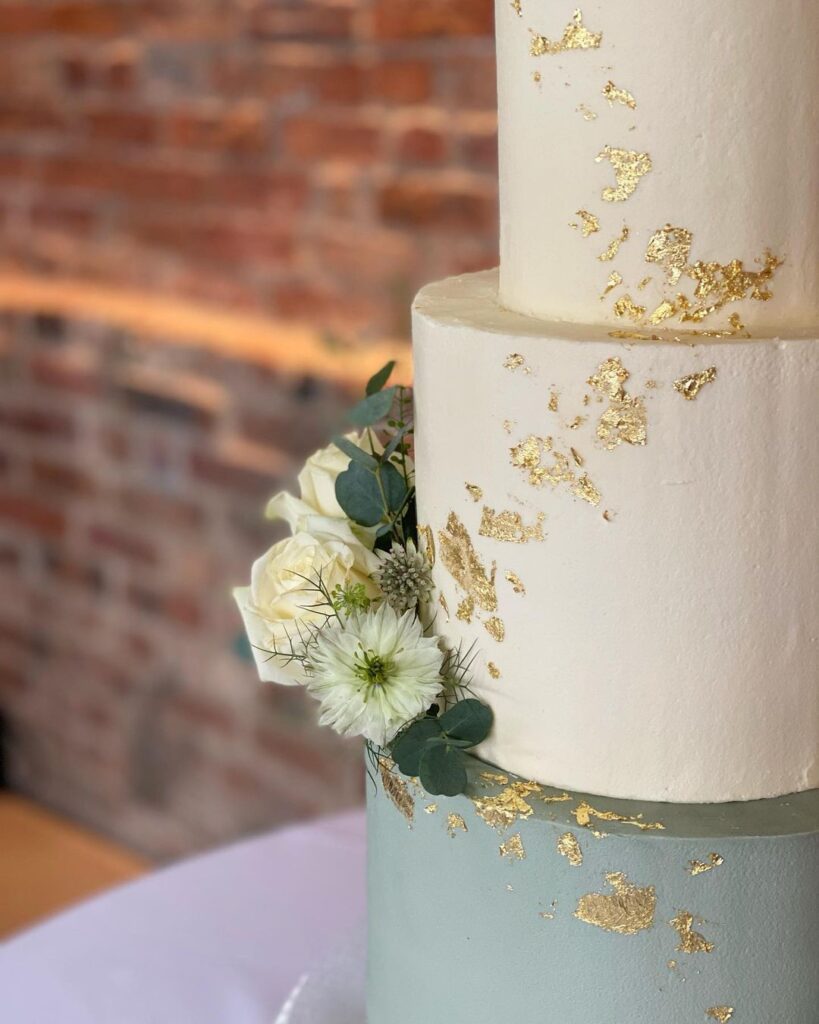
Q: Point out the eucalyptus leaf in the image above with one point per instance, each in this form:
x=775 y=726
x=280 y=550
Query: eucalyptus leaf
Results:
x=358 y=494
x=408 y=748
x=357 y=454
x=442 y=770
x=394 y=441
x=378 y=380
x=373 y=409
x=469 y=720
x=395 y=487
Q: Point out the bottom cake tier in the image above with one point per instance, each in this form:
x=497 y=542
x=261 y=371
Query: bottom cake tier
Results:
x=525 y=904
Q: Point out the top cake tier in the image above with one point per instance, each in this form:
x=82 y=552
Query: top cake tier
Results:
x=659 y=163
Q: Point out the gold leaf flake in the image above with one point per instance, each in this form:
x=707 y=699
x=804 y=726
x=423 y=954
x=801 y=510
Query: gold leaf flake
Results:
x=672 y=965
x=513 y=848
x=576 y=423
x=610 y=378
x=586 y=490
x=442 y=601
x=431 y=808
x=537 y=77
x=516 y=581
x=554 y=399
x=575 y=37
x=508 y=527
x=690 y=386
x=670 y=247
x=634 y=336
x=590 y=225
x=526 y=455
x=493 y=670
x=517 y=7
x=664 y=311
x=584 y=813
x=508 y=425
x=720 y=1013
x=475 y=492
x=578 y=458
x=625 y=421
x=644 y=283
x=515 y=361
x=614 y=281
x=508 y=806
x=547 y=915
x=615 y=95
x=496 y=629
x=700 y=867
x=630 y=167
x=627 y=911
x=608 y=516
x=426 y=542
x=690 y=940
x=396 y=788
x=455 y=823
x=627 y=308
x=466 y=610
x=461 y=559
x=569 y=847
x=588 y=115
x=495 y=778
x=614 y=247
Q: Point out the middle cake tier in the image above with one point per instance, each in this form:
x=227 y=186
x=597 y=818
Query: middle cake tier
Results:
x=624 y=528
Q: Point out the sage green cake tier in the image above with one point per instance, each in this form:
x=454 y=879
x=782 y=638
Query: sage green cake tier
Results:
x=529 y=905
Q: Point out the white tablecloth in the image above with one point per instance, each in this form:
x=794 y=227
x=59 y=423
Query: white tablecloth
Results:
x=220 y=939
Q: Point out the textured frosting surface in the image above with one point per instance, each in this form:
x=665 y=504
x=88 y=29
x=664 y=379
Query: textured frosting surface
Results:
x=649 y=113
x=627 y=532
x=515 y=903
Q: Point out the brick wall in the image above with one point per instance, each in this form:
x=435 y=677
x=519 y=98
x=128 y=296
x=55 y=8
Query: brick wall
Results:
x=135 y=460
x=312 y=158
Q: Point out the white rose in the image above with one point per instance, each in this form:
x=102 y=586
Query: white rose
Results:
x=276 y=603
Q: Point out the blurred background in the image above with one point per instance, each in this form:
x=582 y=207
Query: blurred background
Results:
x=213 y=217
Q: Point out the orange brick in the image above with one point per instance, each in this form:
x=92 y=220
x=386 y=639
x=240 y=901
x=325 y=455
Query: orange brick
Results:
x=323 y=137
x=408 y=19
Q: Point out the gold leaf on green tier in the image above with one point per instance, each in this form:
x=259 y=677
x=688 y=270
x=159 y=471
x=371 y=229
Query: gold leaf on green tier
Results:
x=575 y=37
x=584 y=813
x=495 y=778
x=700 y=867
x=630 y=167
x=690 y=941
x=691 y=385
x=508 y=527
x=513 y=848
x=508 y=806
x=629 y=909
x=455 y=823
x=461 y=559
x=431 y=809
x=569 y=847
x=720 y=1013
x=396 y=788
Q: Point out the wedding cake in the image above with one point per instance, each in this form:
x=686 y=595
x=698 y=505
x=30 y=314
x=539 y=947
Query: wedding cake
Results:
x=617 y=465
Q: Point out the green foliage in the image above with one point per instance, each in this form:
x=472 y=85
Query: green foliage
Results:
x=359 y=494
x=373 y=409
x=378 y=380
x=356 y=454
x=433 y=747
x=350 y=599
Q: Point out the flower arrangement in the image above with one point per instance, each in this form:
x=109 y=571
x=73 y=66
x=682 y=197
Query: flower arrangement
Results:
x=343 y=606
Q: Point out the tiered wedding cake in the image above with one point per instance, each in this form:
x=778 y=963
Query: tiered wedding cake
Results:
x=620 y=498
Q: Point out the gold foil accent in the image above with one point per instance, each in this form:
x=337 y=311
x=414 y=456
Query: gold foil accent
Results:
x=576 y=423
x=672 y=965
x=508 y=527
x=575 y=37
x=691 y=385
x=720 y=1013
x=616 y=95
x=690 y=940
x=627 y=308
x=461 y=560
x=496 y=629
x=561 y=798
x=569 y=847
x=517 y=583
x=700 y=867
x=442 y=601
x=396 y=788
x=590 y=225
x=513 y=848
x=508 y=806
x=627 y=911
x=670 y=247
x=537 y=77
x=526 y=455
x=466 y=610
x=608 y=516
x=493 y=670
x=426 y=541
x=584 y=813
x=625 y=420
x=514 y=361
x=508 y=425
x=586 y=490
x=610 y=378
x=588 y=115
x=578 y=458
x=455 y=823
x=614 y=281
x=614 y=247
x=634 y=336
x=554 y=399
x=431 y=809
x=475 y=492
x=630 y=167
x=663 y=312
x=644 y=283
x=495 y=778
x=517 y=7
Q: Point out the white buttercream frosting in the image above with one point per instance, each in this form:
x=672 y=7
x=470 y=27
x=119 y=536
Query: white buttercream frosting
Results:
x=715 y=102
x=662 y=643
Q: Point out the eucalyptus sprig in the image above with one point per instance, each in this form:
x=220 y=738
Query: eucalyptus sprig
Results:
x=376 y=490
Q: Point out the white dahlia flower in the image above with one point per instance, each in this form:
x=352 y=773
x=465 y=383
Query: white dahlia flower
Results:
x=374 y=673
